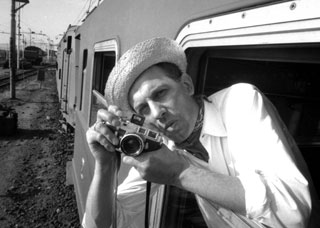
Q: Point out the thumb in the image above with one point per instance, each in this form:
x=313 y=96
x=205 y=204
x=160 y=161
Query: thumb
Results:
x=130 y=160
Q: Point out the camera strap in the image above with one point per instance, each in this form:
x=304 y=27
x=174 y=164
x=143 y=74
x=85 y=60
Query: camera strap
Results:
x=146 y=218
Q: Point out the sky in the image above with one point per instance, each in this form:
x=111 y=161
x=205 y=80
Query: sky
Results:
x=49 y=17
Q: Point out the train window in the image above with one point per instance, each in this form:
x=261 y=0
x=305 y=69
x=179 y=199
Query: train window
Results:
x=83 y=75
x=278 y=54
x=288 y=75
x=103 y=64
x=181 y=210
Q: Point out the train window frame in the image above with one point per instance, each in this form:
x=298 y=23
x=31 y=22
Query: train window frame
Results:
x=83 y=76
x=107 y=48
x=284 y=25
x=293 y=22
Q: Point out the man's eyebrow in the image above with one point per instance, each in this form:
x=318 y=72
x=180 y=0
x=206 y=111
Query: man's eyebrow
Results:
x=155 y=90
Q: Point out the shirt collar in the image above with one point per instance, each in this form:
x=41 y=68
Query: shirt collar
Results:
x=212 y=121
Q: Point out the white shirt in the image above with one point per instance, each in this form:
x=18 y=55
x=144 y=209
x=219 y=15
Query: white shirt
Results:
x=244 y=137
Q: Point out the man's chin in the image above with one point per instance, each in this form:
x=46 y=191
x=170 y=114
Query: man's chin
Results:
x=175 y=137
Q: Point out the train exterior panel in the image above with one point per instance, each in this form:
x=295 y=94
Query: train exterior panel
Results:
x=66 y=76
x=272 y=44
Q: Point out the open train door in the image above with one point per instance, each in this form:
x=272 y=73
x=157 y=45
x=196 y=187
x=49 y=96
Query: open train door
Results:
x=65 y=74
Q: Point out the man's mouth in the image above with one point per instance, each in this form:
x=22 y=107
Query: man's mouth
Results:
x=169 y=127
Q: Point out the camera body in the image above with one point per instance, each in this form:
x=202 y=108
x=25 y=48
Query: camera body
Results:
x=134 y=138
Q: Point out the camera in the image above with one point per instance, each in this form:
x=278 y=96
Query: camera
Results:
x=134 y=138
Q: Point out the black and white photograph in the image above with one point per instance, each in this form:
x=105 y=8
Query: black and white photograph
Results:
x=159 y=114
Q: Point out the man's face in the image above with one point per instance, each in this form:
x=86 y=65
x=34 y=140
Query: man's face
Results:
x=166 y=104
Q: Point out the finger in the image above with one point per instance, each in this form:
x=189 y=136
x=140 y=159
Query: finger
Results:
x=104 y=129
x=141 y=164
x=115 y=110
x=136 y=161
x=130 y=161
x=97 y=140
x=109 y=117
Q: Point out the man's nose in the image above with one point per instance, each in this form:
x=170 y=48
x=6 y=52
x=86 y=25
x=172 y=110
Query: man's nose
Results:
x=157 y=111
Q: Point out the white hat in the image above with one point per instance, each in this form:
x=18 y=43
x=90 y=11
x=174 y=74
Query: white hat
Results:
x=135 y=61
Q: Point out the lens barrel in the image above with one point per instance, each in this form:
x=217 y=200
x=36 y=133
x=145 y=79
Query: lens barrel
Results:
x=131 y=144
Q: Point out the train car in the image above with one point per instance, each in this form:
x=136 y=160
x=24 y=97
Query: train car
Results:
x=4 y=57
x=274 y=45
x=34 y=54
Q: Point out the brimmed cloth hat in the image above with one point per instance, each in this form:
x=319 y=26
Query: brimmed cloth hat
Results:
x=135 y=61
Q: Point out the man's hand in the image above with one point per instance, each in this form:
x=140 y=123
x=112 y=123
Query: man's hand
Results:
x=162 y=166
x=101 y=141
x=100 y=138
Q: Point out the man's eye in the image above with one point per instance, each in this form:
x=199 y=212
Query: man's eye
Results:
x=160 y=94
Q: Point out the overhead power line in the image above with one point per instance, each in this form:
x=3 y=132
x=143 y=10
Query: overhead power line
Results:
x=81 y=13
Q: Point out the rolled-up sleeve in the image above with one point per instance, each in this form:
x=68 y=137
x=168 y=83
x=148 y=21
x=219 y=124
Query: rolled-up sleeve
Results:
x=255 y=195
x=266 y=160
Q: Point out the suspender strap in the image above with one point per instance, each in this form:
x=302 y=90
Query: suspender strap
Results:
x=146 y=218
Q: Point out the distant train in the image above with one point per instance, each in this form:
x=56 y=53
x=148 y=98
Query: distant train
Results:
x=274 y=45
x=34 y=55
x=30 y=56
x=4 y=56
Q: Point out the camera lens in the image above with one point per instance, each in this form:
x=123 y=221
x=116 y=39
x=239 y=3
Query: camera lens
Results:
x=131 y=144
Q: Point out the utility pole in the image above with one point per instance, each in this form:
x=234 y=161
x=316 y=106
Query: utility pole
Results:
x=13 y=53
x=18 y=52
x=23 y=45
x=48 y=53
x=13 y=60
x=30 y=36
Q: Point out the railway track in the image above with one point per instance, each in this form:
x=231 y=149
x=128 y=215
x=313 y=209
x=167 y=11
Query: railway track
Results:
x=5 y=80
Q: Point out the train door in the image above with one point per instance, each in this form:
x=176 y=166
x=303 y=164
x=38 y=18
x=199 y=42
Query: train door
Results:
x=74 y=84
x=65 y=74
x=104 y=56
x=276 y=48
x=59 y=70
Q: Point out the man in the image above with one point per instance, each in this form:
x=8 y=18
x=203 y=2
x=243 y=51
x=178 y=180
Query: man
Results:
x=230 y=150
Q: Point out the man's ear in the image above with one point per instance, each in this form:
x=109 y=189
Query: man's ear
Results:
x=187 y=83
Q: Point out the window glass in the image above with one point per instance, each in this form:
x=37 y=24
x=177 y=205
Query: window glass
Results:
x=103 y=64
x=98 y=102
x=290 y=82
x=181 y=210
